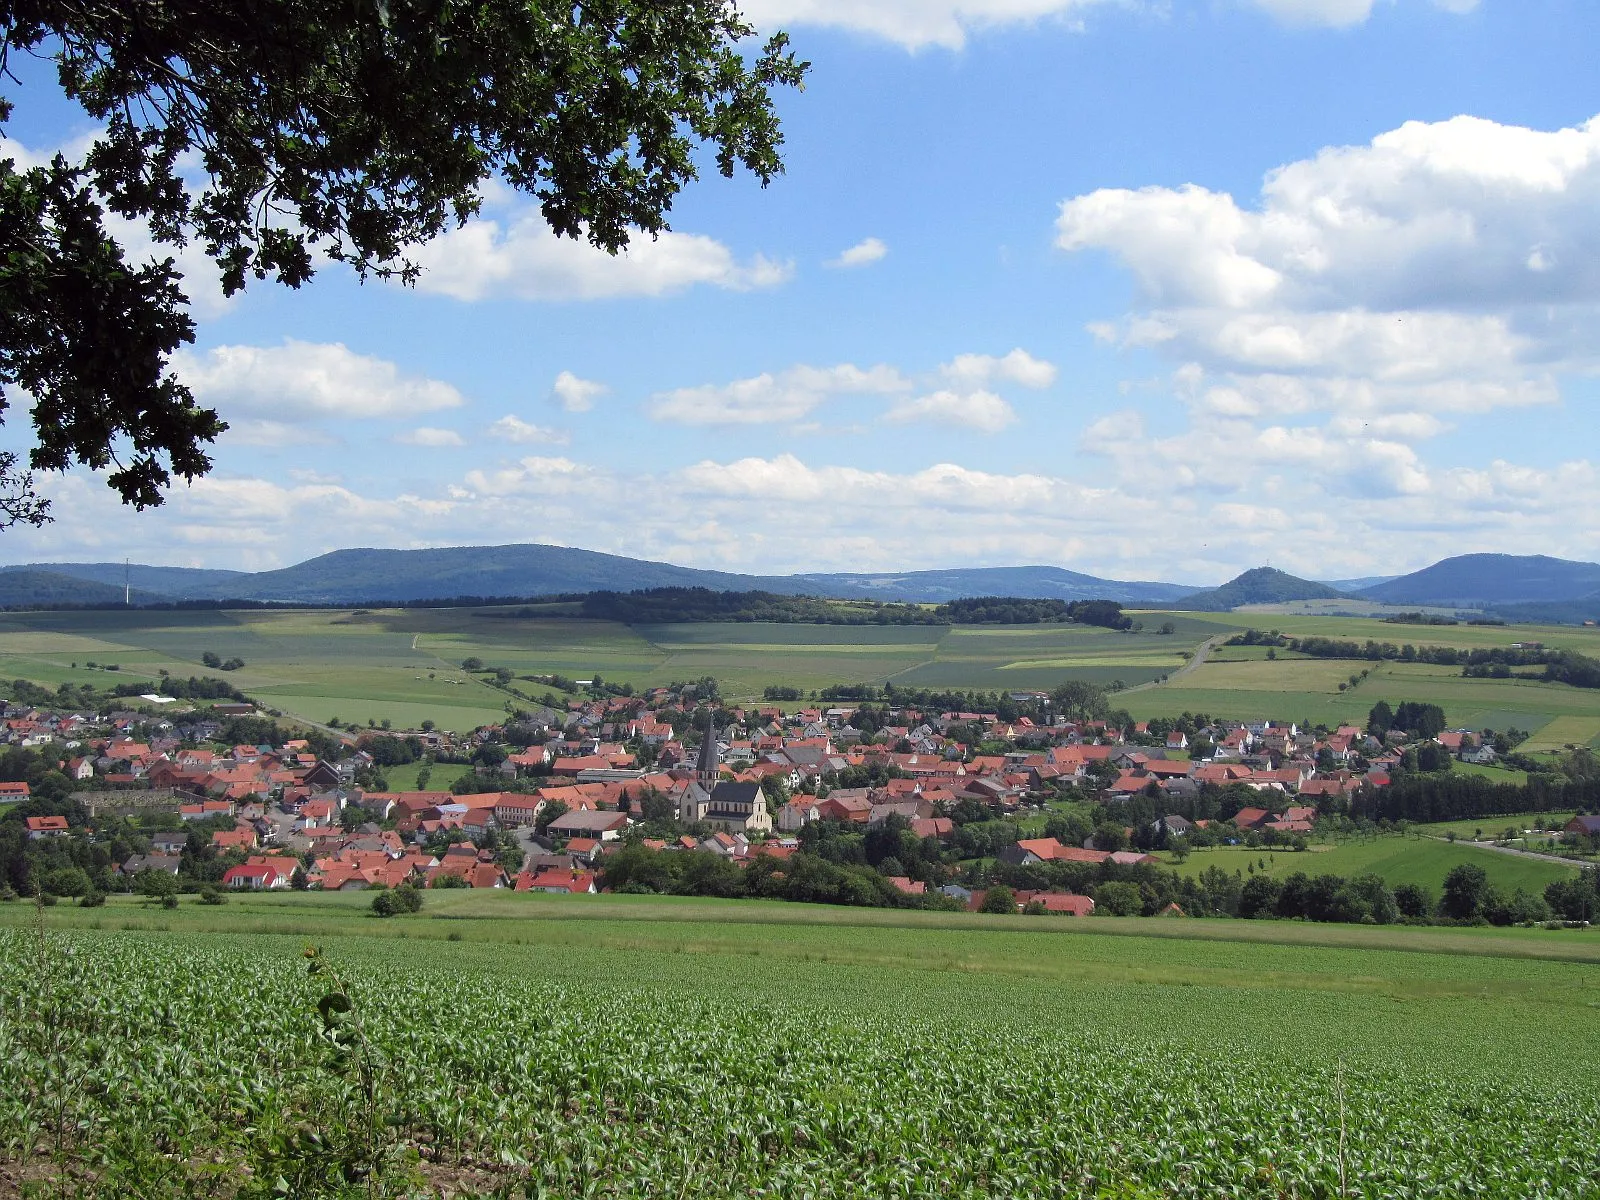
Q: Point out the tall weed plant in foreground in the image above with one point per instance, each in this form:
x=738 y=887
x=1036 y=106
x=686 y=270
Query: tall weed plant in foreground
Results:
x=86 y=1061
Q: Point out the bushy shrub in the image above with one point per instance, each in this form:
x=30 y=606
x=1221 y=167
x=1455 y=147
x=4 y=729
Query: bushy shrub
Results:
x=403 y=899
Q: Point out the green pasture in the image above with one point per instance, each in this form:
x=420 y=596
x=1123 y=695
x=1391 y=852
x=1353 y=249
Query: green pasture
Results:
x=1299 y=688
x=1363 y=629
x=1397 y=858
x=1494 y=773
x=1493 y=827
x=1564 y=731
x=403 y=778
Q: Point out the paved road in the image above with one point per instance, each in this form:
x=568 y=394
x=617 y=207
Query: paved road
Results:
x=1196 y=659
x=1534 y=854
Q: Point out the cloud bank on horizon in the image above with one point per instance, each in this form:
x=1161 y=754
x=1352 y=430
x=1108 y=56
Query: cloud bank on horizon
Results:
x=1347 y=359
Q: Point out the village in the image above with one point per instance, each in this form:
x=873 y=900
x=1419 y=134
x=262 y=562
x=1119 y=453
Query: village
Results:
x=554 y=797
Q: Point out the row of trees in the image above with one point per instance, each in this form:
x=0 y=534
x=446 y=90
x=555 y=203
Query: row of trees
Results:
x=1560 y=666
x=806 y=878
x=1366 y=899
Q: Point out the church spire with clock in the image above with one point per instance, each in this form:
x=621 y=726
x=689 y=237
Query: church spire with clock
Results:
x=709 y=768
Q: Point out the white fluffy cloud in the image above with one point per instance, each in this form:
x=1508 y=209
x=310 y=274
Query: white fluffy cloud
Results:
x=958 y=392
x=1340 y=13
x=1316 y=500
x=1445 y=267
x=518 y=432
x=983 y=370
x=308 y=380
x=515 y=255
x=1438 y=250
x=1376 y=297
x=863 y=253
x=913 y=24
x=770 y=398
x=979 y=410
x=917 y=24
x=534 y=476
x=427 y=435
x=576 y=395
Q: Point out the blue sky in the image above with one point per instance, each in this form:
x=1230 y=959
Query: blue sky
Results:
x=1149 y=290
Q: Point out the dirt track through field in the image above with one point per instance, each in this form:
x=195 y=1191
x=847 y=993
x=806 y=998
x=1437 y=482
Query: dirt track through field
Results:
x=1197 y=659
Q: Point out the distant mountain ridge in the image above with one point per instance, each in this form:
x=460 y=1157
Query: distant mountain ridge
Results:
x=1034 y=583
x=22 y=587
x=371 y=575
x=1489 y=580
x=177 y=582
x=1522 y=587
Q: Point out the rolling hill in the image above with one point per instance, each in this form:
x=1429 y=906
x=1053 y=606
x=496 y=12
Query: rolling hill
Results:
x=1043 y=583
x=174 y=582
x=29 y=587
x=1490 y=581
x=1516 y=586
x=1263 y=585
x=368 y=575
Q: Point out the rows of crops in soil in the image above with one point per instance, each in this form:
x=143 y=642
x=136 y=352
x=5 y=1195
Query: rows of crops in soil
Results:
x=164 y=1064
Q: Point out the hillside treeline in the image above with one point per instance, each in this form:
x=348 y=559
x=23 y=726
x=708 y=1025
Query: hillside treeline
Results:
x=673 y=605
x=1454 y=797
x=1560 y=666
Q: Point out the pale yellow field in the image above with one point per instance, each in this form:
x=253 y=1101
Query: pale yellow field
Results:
x=1564 y=731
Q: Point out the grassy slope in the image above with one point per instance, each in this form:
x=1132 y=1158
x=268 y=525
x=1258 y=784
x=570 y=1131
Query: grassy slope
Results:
x=1398 y=859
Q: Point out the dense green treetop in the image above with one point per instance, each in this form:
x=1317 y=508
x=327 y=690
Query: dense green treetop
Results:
x=280 y=131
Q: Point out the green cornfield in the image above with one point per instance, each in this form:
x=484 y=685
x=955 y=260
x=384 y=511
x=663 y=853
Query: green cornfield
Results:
x=148 y=1064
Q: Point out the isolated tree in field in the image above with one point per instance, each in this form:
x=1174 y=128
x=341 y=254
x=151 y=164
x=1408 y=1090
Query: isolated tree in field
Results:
x=1466 y=890
x=281 y=131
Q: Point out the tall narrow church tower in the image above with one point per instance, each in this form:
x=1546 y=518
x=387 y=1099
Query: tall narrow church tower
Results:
x=709 y=768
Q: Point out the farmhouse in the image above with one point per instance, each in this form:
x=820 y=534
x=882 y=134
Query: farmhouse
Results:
x=46 y=827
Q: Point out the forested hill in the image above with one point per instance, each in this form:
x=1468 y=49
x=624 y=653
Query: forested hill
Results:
x=167 y=583
x=529 y=571
x=26 y=588
x=1492 y=581
x=1264 y=585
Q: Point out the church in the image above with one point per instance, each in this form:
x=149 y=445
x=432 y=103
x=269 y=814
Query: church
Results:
x=735 y=807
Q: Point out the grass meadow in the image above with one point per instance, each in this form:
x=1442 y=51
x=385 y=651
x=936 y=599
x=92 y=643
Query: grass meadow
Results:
x=1397 y=858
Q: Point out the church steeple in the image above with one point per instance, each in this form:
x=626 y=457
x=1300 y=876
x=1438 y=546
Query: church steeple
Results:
x=709 y=767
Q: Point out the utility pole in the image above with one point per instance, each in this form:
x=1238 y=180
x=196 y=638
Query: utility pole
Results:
x=127 y=583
